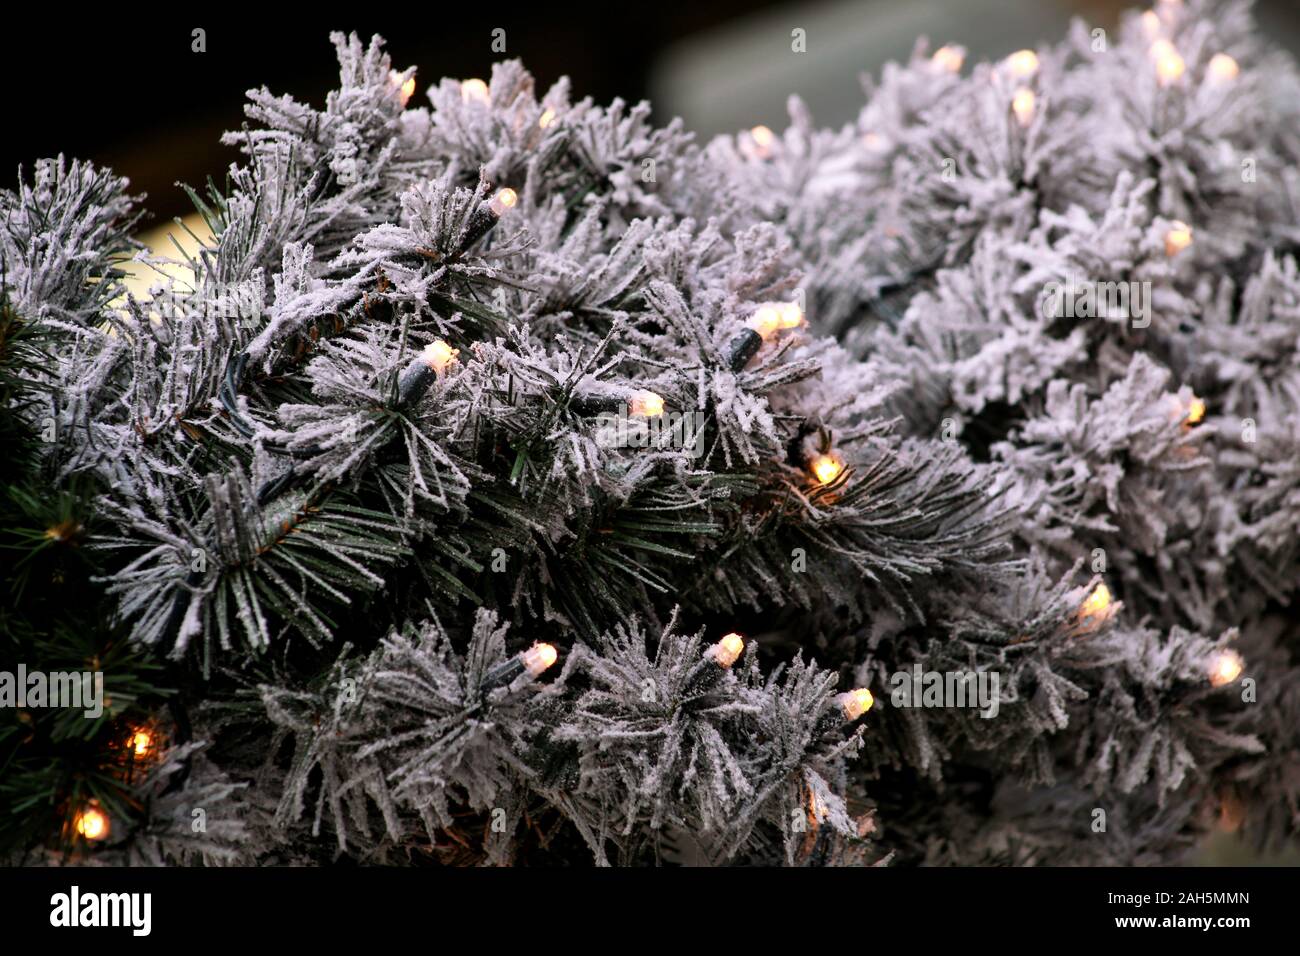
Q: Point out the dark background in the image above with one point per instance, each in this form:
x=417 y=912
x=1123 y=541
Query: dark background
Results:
x=127 y=91
x=131 y=94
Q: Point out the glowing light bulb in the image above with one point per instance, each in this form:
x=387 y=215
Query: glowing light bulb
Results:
x=766 y=320
x=1178 y=238
x=948 y=58
x=726 y=651
x=1225 y=667
x=770 y=317
x=91 y=823
x=855 y=703
x=1169 y=64
x=141 y=742
x=826 y=468
x=1222 y=68
x=1022 y=63
x=405 y=88
x=475 y=91
x=790 y=315
x=1151 y=24
x=763 y=139
x=438 y=355
x=1161 y=48
x=648 y=404
x=547 y=118
x=1097 y=604
x=505 y=200
x=63 y=531
x=539 y=657
x=1195 y=411
x=1022 y=104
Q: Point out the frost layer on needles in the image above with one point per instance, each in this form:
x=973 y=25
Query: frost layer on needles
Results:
x=356 y=479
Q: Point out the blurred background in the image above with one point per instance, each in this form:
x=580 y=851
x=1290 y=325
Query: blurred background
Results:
x=129 y=93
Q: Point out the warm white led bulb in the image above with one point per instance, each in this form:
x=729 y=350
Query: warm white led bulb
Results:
x=1222 y=68
x=505 y=199
x=726 y=651
x=438 y=355
x=1178 y=238
x=647 y=404
x=855 y=703
x=405 y=88
x=1022 y=104
x=826 y=467
x=538 y=658
x=1169 y=64
x=1097 y=606
x=1225 y=667
x=1022 y=63
x=948 y=58
x=474 y=91
x=92 y=824
x=763 y=139
x=766 y=320
x=791 y=316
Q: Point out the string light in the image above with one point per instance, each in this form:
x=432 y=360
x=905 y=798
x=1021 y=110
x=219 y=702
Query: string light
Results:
x=547 y=118
x=1225 y=667
x=727 y=651
x=533 y=662
x=1151 y=24
x=763 y=139
x=1022 y=104
x=642 y=402
x=717 y=660
x=1096 y=608
x=768 y=319
x=1022 y=63
x=438 y=355
x=433 y=360
x=826 y=467
x=63 y=531
x=948 y=58
x=1222 y=68
x=539 y=658
x=487 y=215
x=474 y=91
x=1195 y=411
x=855 y=702
x=91 y=823
x=648 y=404
x=141 y=743
x=505 y=200
x=1178 y=238
x=405 y=88
x=1169 y=64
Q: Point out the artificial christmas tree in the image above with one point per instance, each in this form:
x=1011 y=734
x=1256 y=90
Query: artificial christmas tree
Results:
x=513 y=481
